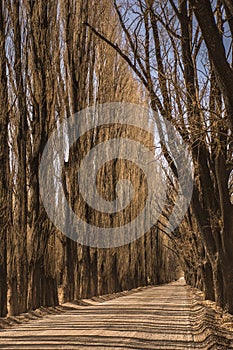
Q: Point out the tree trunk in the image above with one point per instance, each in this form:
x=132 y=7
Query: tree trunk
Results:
x=216 y=50
x=5 y=204
x=21 y=198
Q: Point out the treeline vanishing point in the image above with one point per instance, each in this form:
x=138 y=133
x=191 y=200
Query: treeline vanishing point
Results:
x=59 y=57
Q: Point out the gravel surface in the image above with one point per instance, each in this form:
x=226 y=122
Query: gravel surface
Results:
x=158 y=317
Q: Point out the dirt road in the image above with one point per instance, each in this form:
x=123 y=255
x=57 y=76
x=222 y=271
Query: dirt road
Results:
x=153 y=318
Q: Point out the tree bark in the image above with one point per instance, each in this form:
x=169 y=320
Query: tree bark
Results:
x=5 y=221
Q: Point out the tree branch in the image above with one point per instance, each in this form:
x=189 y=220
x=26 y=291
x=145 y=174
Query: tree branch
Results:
x=120 y=52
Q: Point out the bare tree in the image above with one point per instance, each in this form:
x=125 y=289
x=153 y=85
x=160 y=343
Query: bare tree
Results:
x=5 y=204
x=52 y=65
x=156 y=35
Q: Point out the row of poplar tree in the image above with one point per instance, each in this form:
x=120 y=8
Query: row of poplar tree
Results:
x=51 y=66
x=60 y=57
